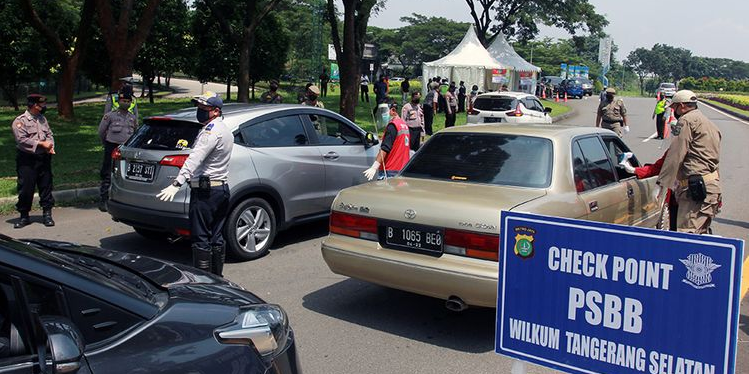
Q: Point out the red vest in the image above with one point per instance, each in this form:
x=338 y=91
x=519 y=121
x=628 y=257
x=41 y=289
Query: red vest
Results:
x=399 y=154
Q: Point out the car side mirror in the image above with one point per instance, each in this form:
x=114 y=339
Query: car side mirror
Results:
x=371 y=140
x=65 y=344
x=547 y=110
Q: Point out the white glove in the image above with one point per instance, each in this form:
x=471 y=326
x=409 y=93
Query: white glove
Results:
x=624 y=162
x=626 y=129
x=657 y=193
x=372 y=171
x=167 y=194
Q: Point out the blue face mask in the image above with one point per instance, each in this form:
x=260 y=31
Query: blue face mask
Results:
x=202 y=115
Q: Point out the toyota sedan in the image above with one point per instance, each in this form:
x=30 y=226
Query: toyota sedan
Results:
x=434 y=229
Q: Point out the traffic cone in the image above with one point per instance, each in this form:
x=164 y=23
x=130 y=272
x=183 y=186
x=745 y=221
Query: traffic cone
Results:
x=658 y=96
x=543 y=93
x=556 y=98
x=565 y=97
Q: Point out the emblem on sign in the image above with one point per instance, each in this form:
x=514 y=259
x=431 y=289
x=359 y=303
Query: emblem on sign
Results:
x=699 y=270
x=410 y=214
x=524 y=242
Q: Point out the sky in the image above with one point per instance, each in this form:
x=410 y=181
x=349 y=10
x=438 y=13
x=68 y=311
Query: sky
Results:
x=716 y=28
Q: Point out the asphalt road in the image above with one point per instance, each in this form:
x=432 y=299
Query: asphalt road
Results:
x=348 y=326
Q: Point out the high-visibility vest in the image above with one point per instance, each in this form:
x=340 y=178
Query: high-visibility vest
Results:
x=116 y=104
x=399 y=154
x=660 y=107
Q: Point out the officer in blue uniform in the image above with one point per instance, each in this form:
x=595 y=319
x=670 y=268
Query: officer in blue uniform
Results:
x=206 y=171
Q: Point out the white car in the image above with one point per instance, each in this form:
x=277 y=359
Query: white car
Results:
x=668 y=89
x=508 y=107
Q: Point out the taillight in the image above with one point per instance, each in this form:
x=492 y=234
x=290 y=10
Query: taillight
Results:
x=353 y=225
x=116 y=154
x=518 y=112
x=473 y=112
x=472 y=244
x=173 y=160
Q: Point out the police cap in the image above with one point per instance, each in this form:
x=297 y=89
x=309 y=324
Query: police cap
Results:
x=36 y=99
x=611 y=90
x=314 y=89
x=209 y=99
x=684 y=96
x=126 y=95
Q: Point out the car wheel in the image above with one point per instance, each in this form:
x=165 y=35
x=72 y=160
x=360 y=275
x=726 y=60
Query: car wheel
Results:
x=151 y=234
x=664 y=218
x=250 y=229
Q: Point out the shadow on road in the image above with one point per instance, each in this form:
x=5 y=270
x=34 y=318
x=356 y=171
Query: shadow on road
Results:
x=732 y=222
x=404 y=314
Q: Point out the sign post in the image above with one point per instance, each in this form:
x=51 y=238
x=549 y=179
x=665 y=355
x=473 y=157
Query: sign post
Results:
x=588 y=297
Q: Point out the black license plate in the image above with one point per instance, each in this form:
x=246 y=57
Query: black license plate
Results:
x=492 y=119
x=140 y=171
x=417 y=238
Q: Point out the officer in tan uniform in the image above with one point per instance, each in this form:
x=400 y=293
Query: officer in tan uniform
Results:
x=612 y=114
x=115 y=128
x=35 y=147
x=691 y=166
x=312 y=94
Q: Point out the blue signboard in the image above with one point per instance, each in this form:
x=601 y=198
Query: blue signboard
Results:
x=588 y=297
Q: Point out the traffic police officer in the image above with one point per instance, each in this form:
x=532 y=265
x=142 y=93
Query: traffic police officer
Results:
x=691 y=166
x=612 y=114
x=114 y=129
x=35 y=147
x=395 y=148
x=113 y=99
x=312 y=93
x=206 y=170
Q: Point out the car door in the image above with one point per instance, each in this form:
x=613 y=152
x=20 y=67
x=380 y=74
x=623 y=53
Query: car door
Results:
x=343 y=150
x=287 y=162
x=596 y=181
x=640 y=206
x=535 y=109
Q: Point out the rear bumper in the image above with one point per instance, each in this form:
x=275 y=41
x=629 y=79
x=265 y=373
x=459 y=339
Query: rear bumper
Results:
x=474 y=281
x=147 y=218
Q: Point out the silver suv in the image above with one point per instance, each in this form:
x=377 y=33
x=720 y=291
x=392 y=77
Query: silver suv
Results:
x=287 y=165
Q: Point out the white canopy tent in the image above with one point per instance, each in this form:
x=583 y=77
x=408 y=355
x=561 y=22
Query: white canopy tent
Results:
x=524 y=74
x=469 y=62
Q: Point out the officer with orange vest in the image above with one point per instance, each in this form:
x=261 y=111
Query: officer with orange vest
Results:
x=394 y=150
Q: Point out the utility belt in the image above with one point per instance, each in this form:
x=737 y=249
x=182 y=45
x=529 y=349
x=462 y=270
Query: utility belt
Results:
x=696 y=185
x=612 y=122
x=205 y=183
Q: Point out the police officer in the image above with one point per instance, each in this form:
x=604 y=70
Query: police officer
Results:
x=395 y=148
x=312 y=94
x=113 y=99
x=658 y=115
x=35 y=147
x=691 y=166
x=612 y=114
x=114 y=129
x=430 y=106
x=413 y=114
x=206 y=170
x=272 y=96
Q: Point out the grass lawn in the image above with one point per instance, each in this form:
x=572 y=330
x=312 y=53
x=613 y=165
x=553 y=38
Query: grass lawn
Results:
x=79 y=150
x=726 y=106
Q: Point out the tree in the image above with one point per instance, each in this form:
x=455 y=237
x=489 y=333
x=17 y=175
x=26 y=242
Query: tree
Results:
x=242 y=33
x=641 y=62
x=520 y=18
x=122 y=40
x=69 y=48
x=164 y=50
x=349 y=51
x=269 y=55
x=24 y=56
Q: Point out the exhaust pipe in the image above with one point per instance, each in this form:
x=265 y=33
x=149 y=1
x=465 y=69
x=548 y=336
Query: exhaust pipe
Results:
x=455 y=304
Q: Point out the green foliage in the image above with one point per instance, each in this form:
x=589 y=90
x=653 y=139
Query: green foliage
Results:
x=298 y=21
x=271 y=50
x=520 y=18
x=214 y=57
x=714 y=84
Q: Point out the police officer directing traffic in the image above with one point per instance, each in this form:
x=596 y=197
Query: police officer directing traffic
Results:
x=206 y=170
x=612 y=114
x=691 y=166
x=115 y=129
x=35 y=146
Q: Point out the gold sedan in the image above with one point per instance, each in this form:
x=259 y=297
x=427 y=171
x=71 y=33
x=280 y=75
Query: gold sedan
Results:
x=434 y=229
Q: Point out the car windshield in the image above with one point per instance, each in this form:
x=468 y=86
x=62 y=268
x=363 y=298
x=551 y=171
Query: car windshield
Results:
x=495 y=103
x=505 y=160
x=667 y=85
x=166 y=135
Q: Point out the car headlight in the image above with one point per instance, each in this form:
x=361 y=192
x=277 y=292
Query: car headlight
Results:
x=262 y=326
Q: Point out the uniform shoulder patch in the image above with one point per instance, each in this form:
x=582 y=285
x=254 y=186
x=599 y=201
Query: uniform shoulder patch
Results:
x=106 y=117
x=209 y=127
x=19 y=124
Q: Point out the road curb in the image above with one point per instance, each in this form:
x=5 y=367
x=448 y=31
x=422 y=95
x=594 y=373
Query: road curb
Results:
x=564 y=116
x=724 y=110
x=63 y=196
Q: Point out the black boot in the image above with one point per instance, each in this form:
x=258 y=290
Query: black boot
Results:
x=218 y=255
x=103 y=205
x=23 y=221
x=47 y=218
x=201 y=258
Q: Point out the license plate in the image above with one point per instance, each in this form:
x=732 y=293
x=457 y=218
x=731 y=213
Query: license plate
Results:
x=140 y=171
x=424 y=239
x=492 y=119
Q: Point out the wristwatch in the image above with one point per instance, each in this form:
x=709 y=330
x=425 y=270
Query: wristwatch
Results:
x=176 y=184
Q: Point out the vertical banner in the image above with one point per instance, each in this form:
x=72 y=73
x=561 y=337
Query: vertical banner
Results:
x=589 y=297
x=335 y=73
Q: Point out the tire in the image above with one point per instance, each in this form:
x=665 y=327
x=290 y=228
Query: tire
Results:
x=664 y=218
x=152 y=234
x=250 y=229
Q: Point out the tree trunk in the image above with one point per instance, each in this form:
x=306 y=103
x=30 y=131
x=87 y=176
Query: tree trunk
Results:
x=11 y=93
x=150 y=89
x=122 y=66
x=65 y=86
x=168 y=80
x=243 y=81
x=228 y=88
